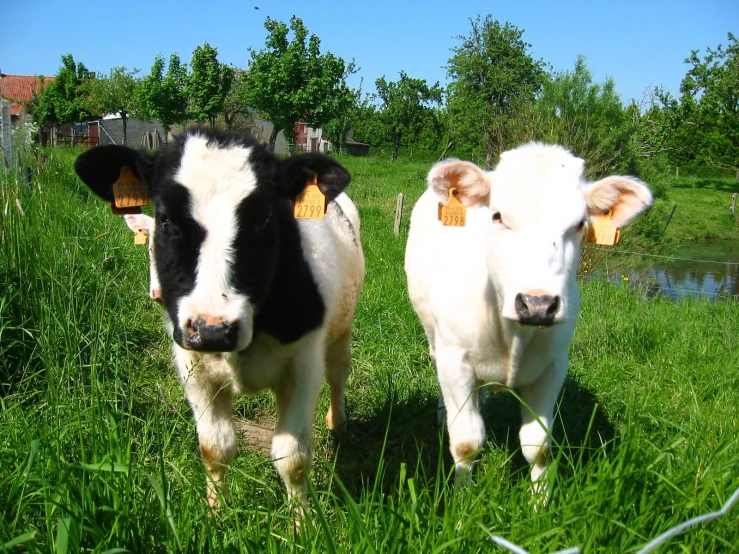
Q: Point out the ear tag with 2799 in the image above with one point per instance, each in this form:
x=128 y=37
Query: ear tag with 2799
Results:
x=311 y=203
x=453 y=213
x=603 y=231
x=129 y=193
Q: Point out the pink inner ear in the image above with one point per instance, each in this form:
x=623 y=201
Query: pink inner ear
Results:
x=466 y=177
x=625 y=197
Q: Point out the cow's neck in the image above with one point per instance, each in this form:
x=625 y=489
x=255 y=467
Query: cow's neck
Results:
x=294 y=306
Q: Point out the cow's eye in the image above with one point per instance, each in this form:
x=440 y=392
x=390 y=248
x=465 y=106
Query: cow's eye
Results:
x=261 y=224
x=580 y=226
x=497 y=218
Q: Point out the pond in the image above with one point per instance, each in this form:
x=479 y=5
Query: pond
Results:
x=708 y=270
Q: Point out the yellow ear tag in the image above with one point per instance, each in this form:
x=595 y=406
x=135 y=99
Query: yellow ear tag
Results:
x=129 y=194
x=453 y=213
x=140 y=239
x=603 y=231
x=311 y=203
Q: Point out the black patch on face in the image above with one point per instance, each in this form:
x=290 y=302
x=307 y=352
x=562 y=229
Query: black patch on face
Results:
x=178 y=239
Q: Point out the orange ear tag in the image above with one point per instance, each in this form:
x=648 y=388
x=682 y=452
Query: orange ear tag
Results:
x=603 y=231
x=129 y=194
x=453 y=213
x=311 y=203
x=140 y=239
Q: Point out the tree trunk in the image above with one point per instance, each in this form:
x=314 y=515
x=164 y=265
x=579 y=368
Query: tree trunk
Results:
x=396 y=145
x=273 y=137
x=124 y=120
x=489 y=151
x=166 y=128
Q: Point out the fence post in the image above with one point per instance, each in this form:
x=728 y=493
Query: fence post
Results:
x=677 y=171
x=733 y=203
x=398 y=214
x=669 y=219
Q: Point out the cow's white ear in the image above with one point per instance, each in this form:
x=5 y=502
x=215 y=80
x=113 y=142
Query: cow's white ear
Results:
x=624 y=197
x=139 y=223
x=471 y=181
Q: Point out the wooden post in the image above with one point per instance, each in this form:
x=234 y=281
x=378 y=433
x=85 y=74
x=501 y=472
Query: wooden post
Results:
x=6 y=140
x=669 y=219
x=398 y=214
x=677 y=171
x=733 y=203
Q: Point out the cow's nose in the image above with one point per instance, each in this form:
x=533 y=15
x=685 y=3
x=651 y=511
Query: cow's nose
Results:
x=156 y=295
x=536 y=310
x=208 y=334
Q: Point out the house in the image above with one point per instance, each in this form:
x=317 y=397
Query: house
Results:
x=308 y=139
x=19 y=89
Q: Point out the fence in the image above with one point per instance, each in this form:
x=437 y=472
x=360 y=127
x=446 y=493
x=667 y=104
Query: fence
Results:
x=651 y=545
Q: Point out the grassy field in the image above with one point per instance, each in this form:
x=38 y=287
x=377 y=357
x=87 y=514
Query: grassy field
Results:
x=98 y=451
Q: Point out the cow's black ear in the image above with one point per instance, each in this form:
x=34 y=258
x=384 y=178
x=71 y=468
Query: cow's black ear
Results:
x=100 y=167
x=298 y=170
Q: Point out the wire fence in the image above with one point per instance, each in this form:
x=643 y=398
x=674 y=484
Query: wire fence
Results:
x=651 y=545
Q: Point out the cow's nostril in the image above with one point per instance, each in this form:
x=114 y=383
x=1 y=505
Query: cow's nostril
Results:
x=554 y=306
x=211 y=334
x=537 y=310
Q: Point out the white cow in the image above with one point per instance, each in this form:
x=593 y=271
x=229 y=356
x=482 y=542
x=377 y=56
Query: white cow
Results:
x=141 y=223
x=498 y=297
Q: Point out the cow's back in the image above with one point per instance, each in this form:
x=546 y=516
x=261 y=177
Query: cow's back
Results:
x=333 y=249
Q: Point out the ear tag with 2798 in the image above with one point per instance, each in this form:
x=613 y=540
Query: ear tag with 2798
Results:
x=603 y=231
x=453 y=213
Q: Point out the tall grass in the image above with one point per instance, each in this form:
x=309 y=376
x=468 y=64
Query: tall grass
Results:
x=98 y=450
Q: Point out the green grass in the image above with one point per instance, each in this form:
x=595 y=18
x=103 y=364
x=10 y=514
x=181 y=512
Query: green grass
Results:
x=98 y=450
x=703 y=209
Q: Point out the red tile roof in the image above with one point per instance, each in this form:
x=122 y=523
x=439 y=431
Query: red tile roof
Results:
x=19 y=89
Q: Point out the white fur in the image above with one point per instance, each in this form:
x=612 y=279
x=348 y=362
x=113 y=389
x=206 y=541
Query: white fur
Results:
x=463 y=282
x=293 y=371
x=140 y=223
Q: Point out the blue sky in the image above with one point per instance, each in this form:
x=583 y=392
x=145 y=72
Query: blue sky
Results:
x=641 y=44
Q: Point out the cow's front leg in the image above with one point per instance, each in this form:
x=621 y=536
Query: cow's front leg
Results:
x=460 y=395
x=297 y=395
x=211 y=402
x=540 y=398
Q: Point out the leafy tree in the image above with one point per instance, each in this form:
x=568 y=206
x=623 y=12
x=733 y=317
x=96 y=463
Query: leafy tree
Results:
x=208 y=84
x=406 y=106
x=163 y=97
x=114 y=93
x=494 y=78
x=291 y=81
x=235 y=106
x=63 y=100
x=586 y=117
x=709 y=106
x=346 y=106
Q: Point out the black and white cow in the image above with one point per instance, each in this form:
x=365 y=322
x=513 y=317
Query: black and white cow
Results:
x=254 y=298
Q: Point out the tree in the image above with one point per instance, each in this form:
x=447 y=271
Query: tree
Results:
x=63 y=100
x=406 y=105
x=493 y=79
x=291 y=81
x=163 y=97
x=235 y=105
x=347 y=104
x=586 y=117
x=208 y=84
x=709 y=105
x=114 y=93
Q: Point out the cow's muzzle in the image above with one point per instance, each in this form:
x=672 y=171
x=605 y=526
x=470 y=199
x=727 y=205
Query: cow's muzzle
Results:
x=536 y=310
x=207 y=334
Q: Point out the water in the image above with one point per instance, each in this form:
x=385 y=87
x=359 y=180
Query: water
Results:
x=707 y=270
